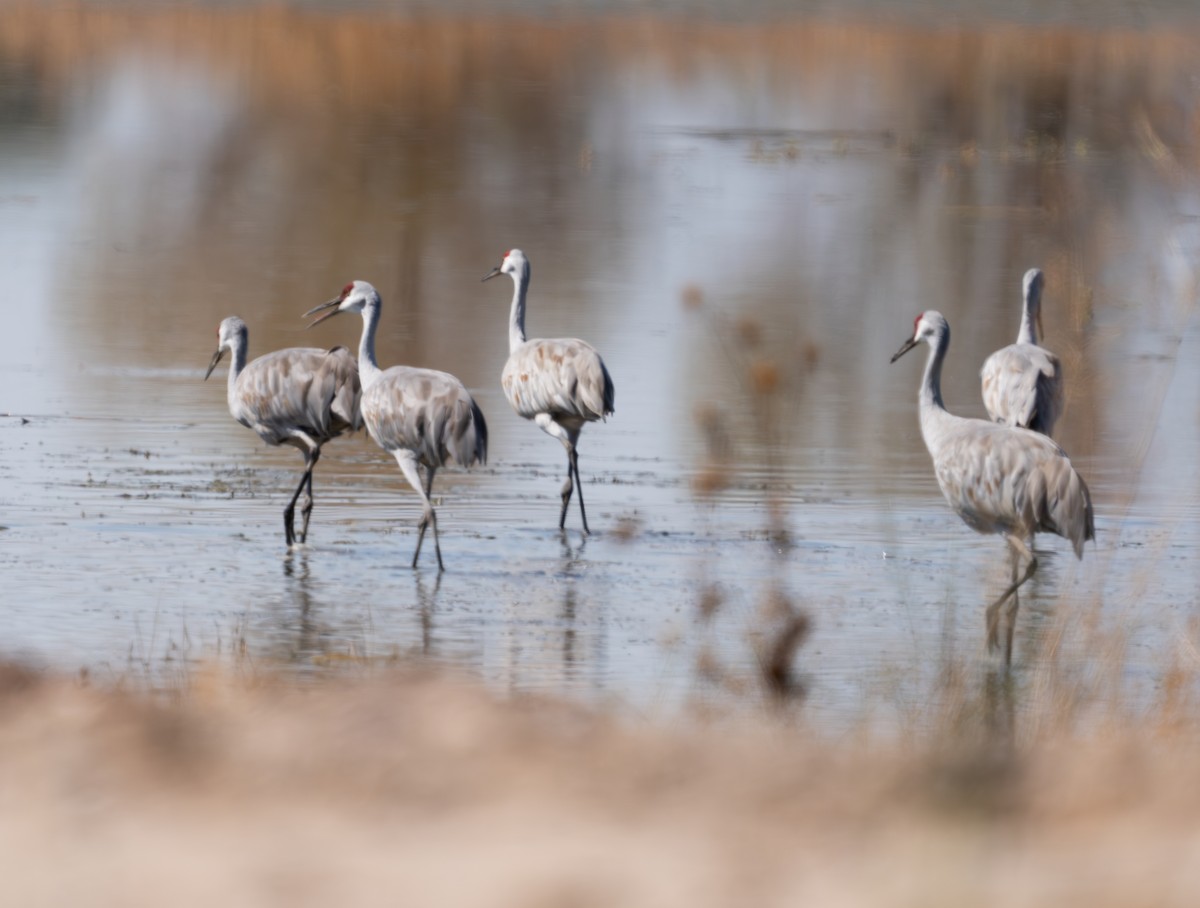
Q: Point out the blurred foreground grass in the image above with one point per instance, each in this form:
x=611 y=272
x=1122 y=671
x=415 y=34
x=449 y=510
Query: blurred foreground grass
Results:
x=415 y=788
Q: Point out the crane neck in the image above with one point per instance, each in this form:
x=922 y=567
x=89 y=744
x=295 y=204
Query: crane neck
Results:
x=1029 y=333
x=368 y=366
x=930 y=397
x=516 y=318
x=238 y=346
x=936 y=421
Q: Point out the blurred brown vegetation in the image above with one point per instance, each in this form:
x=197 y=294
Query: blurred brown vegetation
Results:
x=422 y=789
x=346 y=64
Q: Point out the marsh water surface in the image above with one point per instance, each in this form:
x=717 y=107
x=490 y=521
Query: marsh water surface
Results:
x=744 y=217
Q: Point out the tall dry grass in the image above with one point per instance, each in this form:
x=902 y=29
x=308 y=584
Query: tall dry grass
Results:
x=415 y=787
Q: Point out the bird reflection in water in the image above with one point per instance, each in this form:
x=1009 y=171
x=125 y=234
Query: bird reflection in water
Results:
x=571 y=559
x=298 y=592
x=426 y=609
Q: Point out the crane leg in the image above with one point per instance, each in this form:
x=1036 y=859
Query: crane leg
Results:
x=411 y=471
x=311 y=451
x=567 y=489
x=306 y=503
x=289 y=513
x=1010 y=610
x=437 y=546
x=579 y=482
x=569 y=438
x=1018 y=548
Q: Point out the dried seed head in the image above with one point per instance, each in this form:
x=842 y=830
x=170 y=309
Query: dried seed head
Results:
x=789 y=629
x=708 y=481
x=764 y=376
x=710 y=602
x=810 y=355
x=627 y=528
x=749 y=330
x=708 y=666
x=707 y=416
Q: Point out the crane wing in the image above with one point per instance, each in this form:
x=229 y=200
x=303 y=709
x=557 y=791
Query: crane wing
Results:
x=304 y=388
x=1002 y=480
x=428 y=412
x=338 y=382
x=564 y=377
x=1022 y=386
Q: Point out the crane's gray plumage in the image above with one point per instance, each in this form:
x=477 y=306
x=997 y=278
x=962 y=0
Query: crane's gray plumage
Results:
x=560 y=383
x=997 y=478
x=427 y=412
x=1022 y=383
x=301 y=396
x=421 y=417
x=564 y=377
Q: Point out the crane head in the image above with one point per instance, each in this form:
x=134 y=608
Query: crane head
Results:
x=514 y=263
x=926 y=326
x=231 y=331
x=355 y=297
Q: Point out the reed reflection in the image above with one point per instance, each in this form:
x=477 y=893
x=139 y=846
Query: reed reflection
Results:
x=1000 y=712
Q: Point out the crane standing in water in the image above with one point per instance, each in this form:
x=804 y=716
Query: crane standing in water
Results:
x=560 y=383
x=301 y=396
x=420 y=416
x=1022 y=383
x=998 y=479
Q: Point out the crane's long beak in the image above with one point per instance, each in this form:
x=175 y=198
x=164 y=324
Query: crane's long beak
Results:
x=908 y=345
x=216 y=359
x=491 y=274
x=332 y=304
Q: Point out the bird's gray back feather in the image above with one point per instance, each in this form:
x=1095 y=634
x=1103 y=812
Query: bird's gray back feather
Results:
x=564 y=377
x=1005 y=480
x=341 y=369
x=428 y=412
x=316 y=391
x=1022 y=386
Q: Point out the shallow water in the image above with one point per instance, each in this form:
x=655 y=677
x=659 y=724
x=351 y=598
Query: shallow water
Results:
x=813 y=185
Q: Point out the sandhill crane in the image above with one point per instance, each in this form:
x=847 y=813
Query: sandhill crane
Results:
x=998 y=479
x=1022 y=383
x=301 y=396
x=559 y=383
x=419 y=416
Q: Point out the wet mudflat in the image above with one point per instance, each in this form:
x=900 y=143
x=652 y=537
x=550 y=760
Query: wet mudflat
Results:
x=743 y=218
